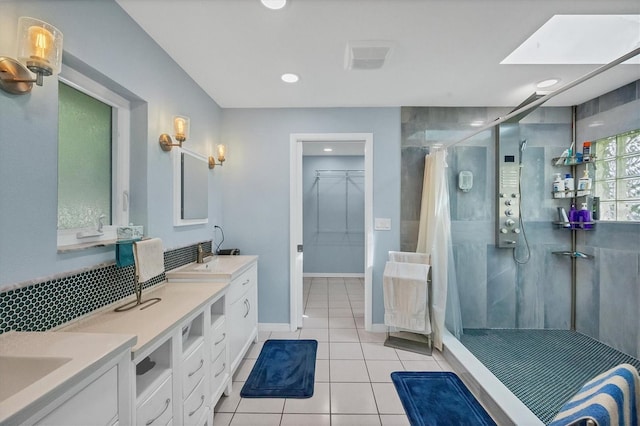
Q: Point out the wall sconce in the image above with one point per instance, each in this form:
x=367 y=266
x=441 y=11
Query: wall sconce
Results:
x=180 y=130
x=221 y=150
x=39 y=50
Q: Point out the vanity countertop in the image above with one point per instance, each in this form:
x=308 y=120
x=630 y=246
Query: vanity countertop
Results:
x=153 y=322
x=215 y=268
x=36 y=365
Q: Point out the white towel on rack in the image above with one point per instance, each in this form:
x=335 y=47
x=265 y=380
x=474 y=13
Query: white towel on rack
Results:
x=406 y=297
x=409 y=257
x=149 y=257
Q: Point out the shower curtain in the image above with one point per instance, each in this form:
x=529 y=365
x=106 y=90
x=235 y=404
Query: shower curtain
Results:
x=434 y=237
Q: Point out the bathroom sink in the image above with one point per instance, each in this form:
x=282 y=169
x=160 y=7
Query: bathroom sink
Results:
x=214 y=269
x=17 y=373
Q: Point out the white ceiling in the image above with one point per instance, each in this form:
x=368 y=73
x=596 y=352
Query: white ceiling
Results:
x=446 y=52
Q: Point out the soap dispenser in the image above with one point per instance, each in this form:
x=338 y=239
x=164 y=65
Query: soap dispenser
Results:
x=584 y=217
x=573 y=216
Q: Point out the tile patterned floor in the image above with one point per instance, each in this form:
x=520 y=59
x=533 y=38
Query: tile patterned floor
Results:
x=353 y=384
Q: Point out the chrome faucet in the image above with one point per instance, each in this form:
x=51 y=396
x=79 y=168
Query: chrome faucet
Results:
x=202 y=255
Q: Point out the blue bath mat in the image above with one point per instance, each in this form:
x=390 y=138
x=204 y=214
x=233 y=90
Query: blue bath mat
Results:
x=438 y=398
x=284 y=369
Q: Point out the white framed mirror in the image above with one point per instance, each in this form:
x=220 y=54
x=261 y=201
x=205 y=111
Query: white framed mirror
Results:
x=190 y=188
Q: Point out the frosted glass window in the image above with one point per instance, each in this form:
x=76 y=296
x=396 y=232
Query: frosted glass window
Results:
x=617 y=177
x=84 y=160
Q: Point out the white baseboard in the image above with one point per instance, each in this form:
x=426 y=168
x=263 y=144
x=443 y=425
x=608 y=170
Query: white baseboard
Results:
x=270 y=326
x=332 y=275
x=379 y=328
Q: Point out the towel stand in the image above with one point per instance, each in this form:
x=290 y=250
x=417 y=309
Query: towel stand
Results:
x=409 y=340
x=138 y=302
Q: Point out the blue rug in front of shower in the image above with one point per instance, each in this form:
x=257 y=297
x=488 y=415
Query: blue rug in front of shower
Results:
x=432 y=398
x=284 y=369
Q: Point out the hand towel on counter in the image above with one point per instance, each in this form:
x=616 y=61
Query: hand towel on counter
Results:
x=406 y=296
x=612 y=398
x=149 y=257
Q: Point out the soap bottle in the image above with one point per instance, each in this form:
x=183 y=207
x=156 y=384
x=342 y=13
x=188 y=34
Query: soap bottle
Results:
x=584 y=183
x=569 y=185
x=573 y=216
x=584 y=216
x=558 y=186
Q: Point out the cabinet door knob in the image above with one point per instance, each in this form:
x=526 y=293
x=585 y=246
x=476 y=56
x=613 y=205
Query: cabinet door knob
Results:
x=166 y=405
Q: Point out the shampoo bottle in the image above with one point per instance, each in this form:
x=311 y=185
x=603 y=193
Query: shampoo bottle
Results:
x=584 y=216
x=558 y=186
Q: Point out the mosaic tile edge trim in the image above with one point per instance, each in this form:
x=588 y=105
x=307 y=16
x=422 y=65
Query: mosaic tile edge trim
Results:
x=48 y=304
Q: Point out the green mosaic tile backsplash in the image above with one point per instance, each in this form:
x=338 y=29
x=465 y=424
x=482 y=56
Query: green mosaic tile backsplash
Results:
x=45 y=305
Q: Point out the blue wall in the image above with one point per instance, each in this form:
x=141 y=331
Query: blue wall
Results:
x=256 y=189
x=104 y=41
x=333 y=217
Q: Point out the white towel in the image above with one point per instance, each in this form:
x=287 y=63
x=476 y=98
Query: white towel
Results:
x=149 y=258
x=409 y=257
x=406 y=296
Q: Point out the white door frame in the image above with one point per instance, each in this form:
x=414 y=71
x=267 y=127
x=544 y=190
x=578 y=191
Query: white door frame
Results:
x=295 y=219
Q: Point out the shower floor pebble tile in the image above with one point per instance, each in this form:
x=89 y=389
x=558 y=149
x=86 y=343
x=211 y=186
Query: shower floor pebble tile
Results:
x=353 y=368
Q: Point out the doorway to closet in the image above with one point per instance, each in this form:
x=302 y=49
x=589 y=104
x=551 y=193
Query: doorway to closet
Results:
x=331 y=222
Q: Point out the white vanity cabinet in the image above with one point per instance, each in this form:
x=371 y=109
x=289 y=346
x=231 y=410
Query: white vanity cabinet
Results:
x=242 y=303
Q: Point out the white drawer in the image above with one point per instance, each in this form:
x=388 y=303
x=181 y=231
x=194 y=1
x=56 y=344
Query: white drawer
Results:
x=242 y=283
x=101 y=395
x=156 y=410
x=219 y=371
x=193 y=370
x=219 y=339
x=195 y=404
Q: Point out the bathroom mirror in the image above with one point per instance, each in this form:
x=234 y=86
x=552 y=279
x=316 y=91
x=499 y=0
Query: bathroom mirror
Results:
x=191 y=201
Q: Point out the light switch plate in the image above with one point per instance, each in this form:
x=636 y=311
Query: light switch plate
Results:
x=382 y=224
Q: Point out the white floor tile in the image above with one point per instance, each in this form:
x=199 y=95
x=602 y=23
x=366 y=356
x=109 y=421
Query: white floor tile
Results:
x=342 y=323
x=315 y=322
x=342 y=303
x=319 y=334
x=305 y=419
x=413 y=356
x=354 y=420
x=352 y=398
x=445 y=365
x=346 y=370
x=254 y=350
x=317 y=312
x=345 y=351
x=387 y=398
x=377 y=351
x=317 y=303
x=242 y=373
x=263 y=335
x=285 y=334
x=340 y=312
x=367 y=336
x=245 y=419
x=260 y=405
x=228 y=404
x=319 y=403
x=425 y=365
x=394 y=420
x=322 y=370
x=222 y=419
x=323 y=350
x=343 y=335
x=380 y=371
x=359 y=321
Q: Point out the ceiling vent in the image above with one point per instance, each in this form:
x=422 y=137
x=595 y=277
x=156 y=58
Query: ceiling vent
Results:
x=367 y=54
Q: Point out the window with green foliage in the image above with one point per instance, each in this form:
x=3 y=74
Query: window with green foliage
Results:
x=617 y=177
x=84 y=159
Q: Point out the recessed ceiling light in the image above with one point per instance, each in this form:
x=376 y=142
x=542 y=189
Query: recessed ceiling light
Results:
x=274 y=4
x=547 y=83
x=327 y=150
x=290 y=78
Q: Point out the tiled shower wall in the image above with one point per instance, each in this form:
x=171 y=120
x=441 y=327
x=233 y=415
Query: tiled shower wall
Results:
x=48 y=304
x=495 y=291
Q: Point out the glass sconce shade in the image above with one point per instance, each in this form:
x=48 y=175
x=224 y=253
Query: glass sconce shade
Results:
x=221 y=151
x=39 y=46
x=181 y=128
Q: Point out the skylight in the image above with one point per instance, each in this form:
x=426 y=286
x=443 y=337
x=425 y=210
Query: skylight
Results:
x=580 y=39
